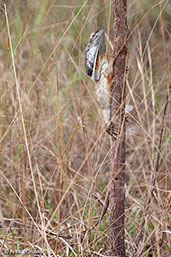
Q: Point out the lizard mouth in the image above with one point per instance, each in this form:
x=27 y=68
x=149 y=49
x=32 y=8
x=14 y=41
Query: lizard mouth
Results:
x=95 y=51
x=101 y=45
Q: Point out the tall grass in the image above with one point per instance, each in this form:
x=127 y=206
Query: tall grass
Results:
x=53 y=148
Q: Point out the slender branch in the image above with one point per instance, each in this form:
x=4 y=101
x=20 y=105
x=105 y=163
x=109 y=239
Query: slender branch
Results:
x=117 y=158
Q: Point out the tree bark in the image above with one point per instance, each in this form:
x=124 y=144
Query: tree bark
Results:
x=117 y=157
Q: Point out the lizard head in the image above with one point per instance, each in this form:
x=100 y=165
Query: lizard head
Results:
x=95 y=53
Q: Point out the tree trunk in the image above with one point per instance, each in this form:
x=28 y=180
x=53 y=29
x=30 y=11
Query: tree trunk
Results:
x=117 y=193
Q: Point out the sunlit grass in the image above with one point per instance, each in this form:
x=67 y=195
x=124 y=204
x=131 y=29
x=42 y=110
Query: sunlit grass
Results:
x=62 y=187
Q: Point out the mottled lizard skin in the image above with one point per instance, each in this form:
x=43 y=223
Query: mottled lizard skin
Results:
x=99 y=69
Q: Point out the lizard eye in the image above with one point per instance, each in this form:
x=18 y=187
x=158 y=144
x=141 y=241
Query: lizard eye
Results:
x=92 y=35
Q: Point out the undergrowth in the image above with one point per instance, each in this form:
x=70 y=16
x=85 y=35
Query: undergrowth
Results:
x=54 y=150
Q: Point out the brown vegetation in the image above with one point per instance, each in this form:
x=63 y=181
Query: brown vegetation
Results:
x=54 y=159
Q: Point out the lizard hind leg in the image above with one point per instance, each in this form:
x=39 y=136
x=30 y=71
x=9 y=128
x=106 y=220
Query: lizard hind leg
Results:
x=111 y=130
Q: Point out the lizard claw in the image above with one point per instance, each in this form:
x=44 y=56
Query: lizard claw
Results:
x=111 y=130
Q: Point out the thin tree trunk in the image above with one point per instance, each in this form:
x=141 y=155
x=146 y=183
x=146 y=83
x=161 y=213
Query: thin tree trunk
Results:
x=117 y=193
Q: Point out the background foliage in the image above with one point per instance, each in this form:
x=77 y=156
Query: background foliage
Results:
x=54 y=150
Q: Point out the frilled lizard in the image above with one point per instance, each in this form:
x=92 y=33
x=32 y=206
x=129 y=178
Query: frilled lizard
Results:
x=99 y=69
x=101 y=72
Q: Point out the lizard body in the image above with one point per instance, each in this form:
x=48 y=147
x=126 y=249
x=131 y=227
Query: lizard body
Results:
x=101 y=72
x=99 y=69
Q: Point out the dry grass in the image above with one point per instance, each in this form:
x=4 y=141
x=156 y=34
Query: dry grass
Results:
x=54 y=151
